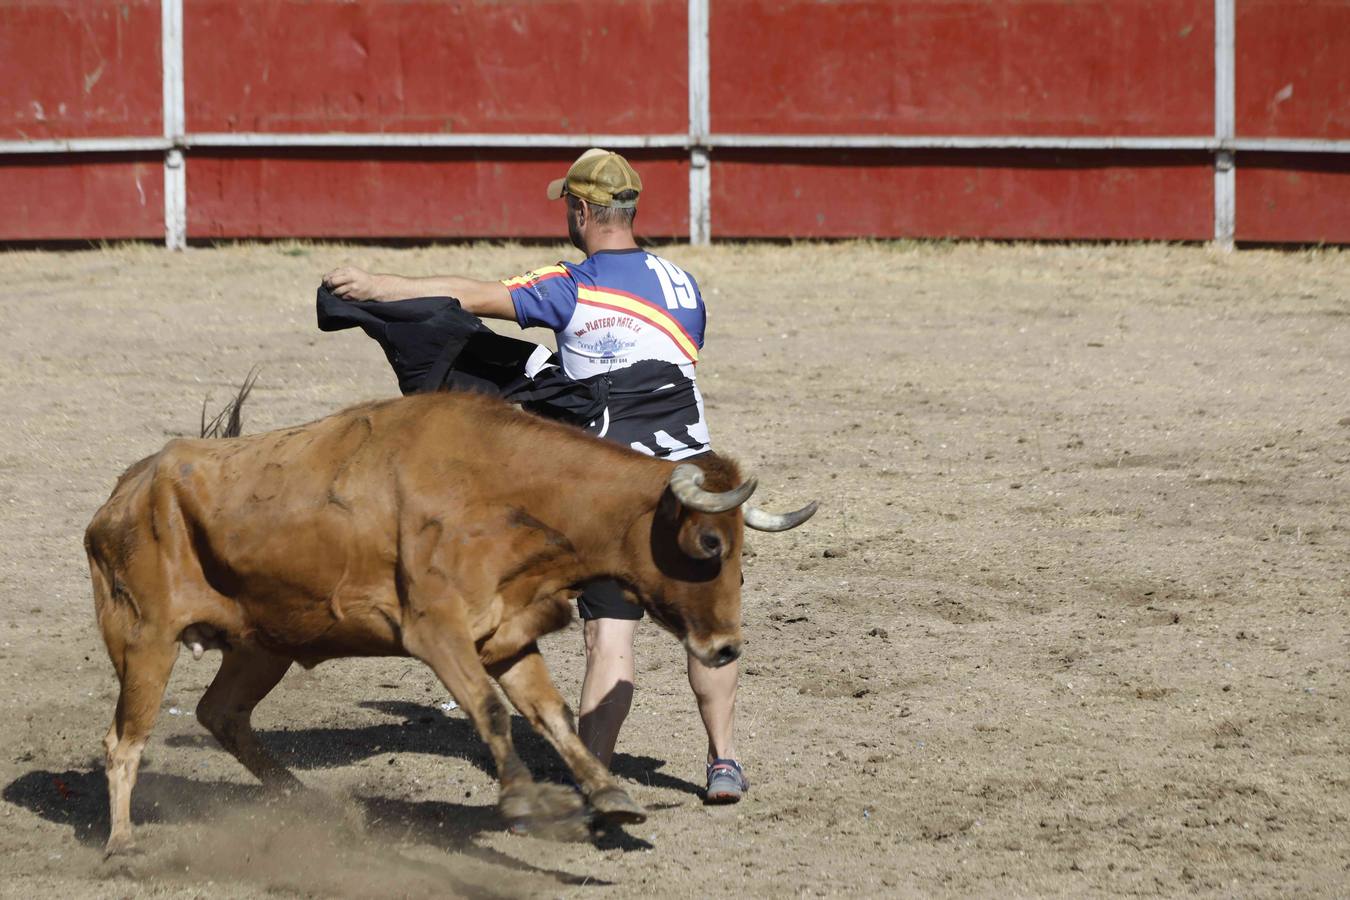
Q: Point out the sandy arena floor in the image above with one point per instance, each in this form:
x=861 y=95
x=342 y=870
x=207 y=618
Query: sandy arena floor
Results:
x=1073 y=618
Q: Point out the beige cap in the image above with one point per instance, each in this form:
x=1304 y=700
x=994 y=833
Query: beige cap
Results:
x=596 y=177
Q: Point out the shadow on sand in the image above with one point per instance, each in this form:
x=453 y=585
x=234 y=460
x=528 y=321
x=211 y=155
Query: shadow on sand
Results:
x=79 y=799
x=425 y=729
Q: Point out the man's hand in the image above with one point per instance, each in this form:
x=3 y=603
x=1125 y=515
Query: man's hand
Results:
x=351 y=283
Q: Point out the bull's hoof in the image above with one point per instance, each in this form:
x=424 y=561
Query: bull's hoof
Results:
x=613 y=806
x=120 y=844
x=548 y=811
x=283 y=783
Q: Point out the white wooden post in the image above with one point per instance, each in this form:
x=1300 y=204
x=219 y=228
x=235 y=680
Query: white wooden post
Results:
x=700 y=172
x=175 y=166
x=1225 y=160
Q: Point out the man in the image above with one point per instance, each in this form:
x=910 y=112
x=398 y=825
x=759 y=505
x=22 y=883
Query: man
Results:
x=635 y=320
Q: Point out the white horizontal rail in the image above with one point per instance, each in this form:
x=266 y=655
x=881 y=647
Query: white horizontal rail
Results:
x=954 y=142
x=1017 y=142
x=1290 y=145
x=244 y=140
x=87 y=145
x=468 y=141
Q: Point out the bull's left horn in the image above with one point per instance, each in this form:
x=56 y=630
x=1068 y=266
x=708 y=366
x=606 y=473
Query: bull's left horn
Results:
x=686 y=483
x=760 y=520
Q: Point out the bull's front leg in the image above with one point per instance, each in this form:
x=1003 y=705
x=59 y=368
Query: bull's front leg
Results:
x=545 y=614
x=528 y=685
x=438 y=635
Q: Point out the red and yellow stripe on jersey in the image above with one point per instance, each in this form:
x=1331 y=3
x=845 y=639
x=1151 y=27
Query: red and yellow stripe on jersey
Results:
x=619 y=301
x=535 y=277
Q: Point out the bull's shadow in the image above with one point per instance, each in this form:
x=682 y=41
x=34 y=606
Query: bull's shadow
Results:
x=426 y=729
x=79 y=800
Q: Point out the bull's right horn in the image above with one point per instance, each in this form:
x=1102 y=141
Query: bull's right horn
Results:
x=686 y=483
x=760 y=520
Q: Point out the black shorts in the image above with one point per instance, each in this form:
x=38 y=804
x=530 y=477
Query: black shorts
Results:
x=605 y=600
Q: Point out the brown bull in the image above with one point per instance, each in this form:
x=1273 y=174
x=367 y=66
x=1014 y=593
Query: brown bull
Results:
x=449 y=527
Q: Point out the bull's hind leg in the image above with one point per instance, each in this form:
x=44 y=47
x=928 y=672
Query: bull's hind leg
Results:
x=529 y=686
x=144 y=671
x=246 y=676
x=443 y=642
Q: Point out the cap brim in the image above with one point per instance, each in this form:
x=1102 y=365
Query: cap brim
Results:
x=557 y=188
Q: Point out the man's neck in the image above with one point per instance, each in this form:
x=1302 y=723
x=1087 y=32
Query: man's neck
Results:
x=610 y=240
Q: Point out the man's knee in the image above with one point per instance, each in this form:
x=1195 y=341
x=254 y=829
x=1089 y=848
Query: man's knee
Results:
x=609 y=638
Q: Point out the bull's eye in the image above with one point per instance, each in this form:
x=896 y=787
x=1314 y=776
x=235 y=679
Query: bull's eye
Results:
x=711 y=542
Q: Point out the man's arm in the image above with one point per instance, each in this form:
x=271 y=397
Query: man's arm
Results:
x=482 y=298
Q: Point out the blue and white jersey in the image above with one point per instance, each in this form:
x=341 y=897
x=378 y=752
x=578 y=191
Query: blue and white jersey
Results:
x=616 y=309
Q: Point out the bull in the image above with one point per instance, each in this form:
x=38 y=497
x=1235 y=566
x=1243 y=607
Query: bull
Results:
x=448 y=527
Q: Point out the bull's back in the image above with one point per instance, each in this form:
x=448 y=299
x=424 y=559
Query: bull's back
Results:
x=289 y=511
x=278 y=502
x=262 y=497
x=298 y=529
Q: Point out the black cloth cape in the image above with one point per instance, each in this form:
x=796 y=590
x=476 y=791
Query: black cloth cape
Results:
x=433 y=344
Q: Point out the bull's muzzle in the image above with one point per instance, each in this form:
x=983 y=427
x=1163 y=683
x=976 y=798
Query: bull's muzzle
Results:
x=714 y=654
x=728 y=653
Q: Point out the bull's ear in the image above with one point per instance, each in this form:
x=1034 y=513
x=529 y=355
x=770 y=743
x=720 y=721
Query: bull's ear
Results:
x=699 y=539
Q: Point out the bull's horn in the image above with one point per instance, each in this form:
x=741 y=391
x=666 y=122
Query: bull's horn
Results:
x=760 y=520
x=686 y=483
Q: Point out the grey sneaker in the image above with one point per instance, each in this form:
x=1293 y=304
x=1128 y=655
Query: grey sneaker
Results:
x=726 y=782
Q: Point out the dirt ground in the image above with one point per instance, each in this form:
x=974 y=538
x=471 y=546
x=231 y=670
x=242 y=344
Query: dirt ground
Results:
x=1072 y=619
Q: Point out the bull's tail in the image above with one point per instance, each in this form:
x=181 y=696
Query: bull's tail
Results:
x=229 y=421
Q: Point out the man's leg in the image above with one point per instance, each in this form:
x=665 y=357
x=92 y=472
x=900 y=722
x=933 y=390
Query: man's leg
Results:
x=715 y=690
x=607 y=690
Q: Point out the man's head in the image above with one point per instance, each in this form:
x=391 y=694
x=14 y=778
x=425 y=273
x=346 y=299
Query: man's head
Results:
x=601 y=190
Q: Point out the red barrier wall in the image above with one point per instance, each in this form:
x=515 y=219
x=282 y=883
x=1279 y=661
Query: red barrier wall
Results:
x=981 y=194
x=47 y=197
x=71 y=69
x=1293 y=71
x=1293 y=80
x=425 y=67
x=1293 y=197
x=418 y=194
x=421 y=66
x=1022 y=67
x=1101 y=68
